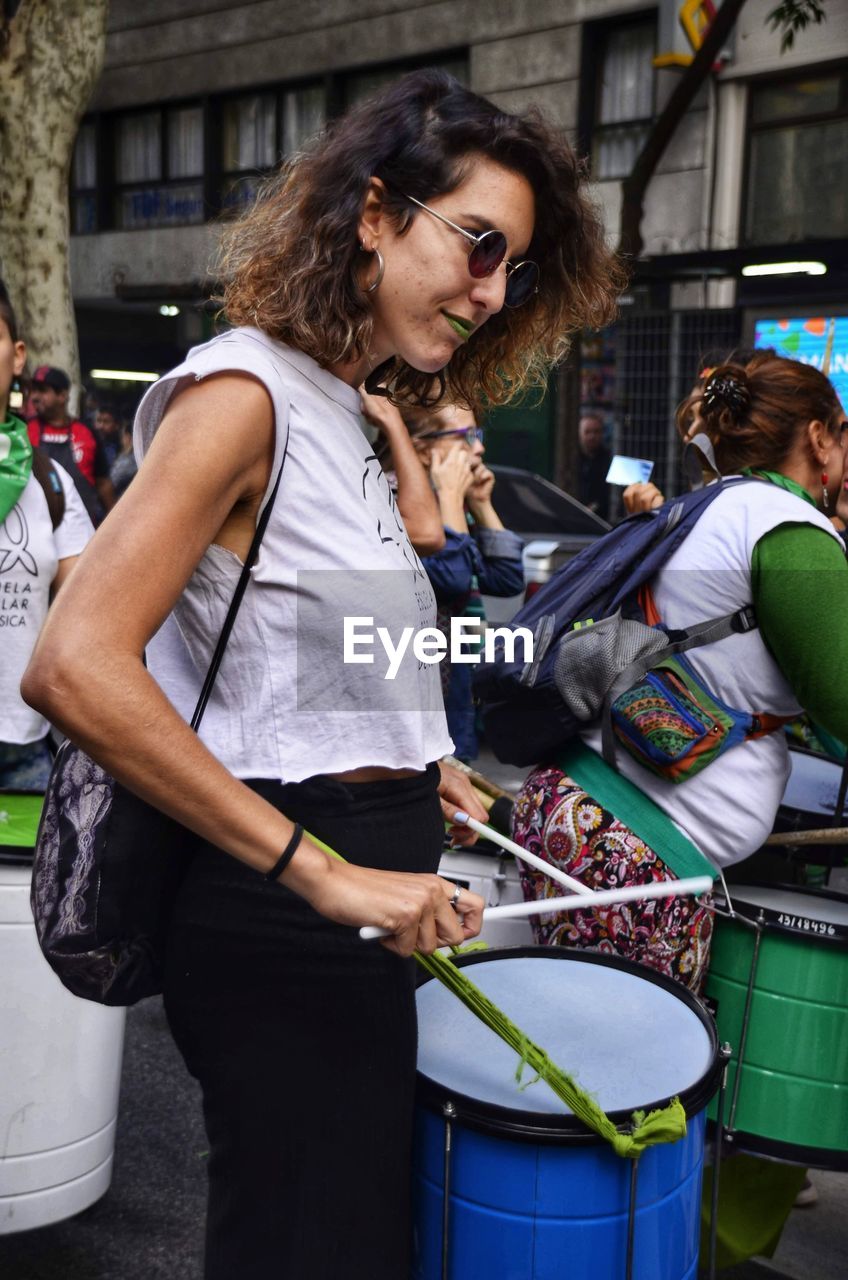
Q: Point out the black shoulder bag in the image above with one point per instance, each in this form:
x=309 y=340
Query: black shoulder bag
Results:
x=107 y=865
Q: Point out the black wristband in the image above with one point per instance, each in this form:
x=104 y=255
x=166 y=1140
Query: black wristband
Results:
x=287 y=854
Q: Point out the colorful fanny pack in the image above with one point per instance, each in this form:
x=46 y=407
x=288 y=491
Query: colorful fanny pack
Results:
x=673 y=725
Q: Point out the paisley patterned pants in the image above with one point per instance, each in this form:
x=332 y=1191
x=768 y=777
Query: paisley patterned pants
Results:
x=560 y=823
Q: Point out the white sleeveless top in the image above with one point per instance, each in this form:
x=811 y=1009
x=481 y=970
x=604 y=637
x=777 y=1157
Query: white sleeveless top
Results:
x=285 y=703
x=30 y=551
x=728 y=809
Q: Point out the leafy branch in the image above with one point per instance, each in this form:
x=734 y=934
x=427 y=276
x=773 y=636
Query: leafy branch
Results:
x=794 y=15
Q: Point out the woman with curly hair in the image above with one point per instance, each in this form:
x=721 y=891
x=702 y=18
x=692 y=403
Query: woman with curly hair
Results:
x=425 y=233
x=770 y=544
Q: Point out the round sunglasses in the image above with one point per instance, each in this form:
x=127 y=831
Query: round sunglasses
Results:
x=487 y=254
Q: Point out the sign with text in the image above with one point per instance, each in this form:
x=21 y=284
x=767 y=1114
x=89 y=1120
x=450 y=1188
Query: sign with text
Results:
x=821 y=341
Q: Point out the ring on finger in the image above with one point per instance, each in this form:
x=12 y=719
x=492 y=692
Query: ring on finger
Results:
x=454 y=900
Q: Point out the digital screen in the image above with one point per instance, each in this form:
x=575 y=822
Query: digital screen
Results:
x=810 y=339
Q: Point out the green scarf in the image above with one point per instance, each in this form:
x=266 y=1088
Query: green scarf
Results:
x=783 y=482
x=15 y=462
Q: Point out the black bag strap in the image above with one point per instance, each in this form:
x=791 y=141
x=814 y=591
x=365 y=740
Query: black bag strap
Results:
x=238 y=594
x=48 y=477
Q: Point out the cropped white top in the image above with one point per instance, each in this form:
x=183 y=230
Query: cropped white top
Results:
x=286 y=703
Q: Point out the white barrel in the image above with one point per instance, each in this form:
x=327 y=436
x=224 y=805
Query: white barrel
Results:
x=60 y=1072
x=495 y=877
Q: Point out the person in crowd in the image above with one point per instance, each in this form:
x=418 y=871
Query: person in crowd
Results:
x=69 y=441
x=424 y=231
x=769 y=543
x=90 y=398
x=593 y=464
x=107 y=427
x=43 y=529
x=479 y=554
x=125 y=466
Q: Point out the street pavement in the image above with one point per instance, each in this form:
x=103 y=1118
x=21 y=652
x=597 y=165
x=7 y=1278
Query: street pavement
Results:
x=149 y=1226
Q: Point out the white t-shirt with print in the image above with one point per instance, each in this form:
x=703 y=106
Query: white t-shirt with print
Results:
x=288 y=702
x=30 y=551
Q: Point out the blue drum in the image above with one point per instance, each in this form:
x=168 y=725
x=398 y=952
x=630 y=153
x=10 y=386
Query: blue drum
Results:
x=508 y=1184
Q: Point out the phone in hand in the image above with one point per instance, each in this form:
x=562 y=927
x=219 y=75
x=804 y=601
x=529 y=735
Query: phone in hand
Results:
x=625 y=471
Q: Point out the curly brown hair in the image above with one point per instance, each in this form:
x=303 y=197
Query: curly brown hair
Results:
x=290 y=266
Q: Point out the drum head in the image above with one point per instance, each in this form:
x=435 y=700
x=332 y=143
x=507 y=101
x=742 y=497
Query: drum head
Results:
x=816 y=914
x=630 y=1037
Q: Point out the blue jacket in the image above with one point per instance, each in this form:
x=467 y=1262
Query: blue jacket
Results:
x=493 y=558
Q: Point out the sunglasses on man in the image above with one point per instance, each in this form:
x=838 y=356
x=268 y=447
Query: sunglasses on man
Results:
x=469 y=434
x=486 y=255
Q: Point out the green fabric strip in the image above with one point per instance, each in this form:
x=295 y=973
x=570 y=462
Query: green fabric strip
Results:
x=667 y=1124
x=636 y=810
x=15 y=462
x=832 y=745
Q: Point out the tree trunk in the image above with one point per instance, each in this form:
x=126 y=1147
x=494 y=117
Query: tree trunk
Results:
x=49 y=63
x=633 y=188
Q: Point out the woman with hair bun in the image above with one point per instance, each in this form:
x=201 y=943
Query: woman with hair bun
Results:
x=424 y=233
x=767 y=543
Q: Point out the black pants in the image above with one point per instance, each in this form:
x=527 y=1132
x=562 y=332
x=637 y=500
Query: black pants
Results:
x=303 y=1039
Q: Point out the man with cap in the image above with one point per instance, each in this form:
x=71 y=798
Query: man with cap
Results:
x=70 y=442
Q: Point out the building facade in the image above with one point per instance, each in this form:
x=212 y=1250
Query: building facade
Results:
x=199 y=98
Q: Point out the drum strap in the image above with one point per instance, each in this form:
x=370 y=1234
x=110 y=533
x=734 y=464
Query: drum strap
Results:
x=636 y=810
x=668 y=1124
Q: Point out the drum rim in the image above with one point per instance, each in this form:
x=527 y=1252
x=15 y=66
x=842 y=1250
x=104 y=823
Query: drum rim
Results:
x=16 y=855
x=831 y=1158
x=796 y=749
x=771 y=922
x=546 y=1127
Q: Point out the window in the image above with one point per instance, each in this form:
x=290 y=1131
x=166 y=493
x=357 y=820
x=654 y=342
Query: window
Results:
x=259 y=129
x=185 y=142
x=361 y=84
x=304 y=115
x=177 y=165
x=249 y=146
x=138 y=147
x=625 y=99
x=84 y=180
x=798 y=159
x=158 y=165
x=249 y=133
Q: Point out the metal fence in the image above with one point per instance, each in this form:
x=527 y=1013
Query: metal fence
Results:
x=658 y=356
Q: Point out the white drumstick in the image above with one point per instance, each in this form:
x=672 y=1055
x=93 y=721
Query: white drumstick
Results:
x=490 y=833
x=695 y=885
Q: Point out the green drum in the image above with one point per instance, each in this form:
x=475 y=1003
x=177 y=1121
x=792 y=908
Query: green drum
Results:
x=778 y=985
x=20 y=812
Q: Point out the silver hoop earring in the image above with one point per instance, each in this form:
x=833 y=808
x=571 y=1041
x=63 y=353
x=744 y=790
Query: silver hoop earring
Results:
x=381 y=267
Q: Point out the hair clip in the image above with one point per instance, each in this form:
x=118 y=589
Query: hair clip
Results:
x=726 y=391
